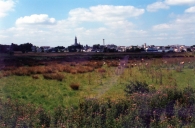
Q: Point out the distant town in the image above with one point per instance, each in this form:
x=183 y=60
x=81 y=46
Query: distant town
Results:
x=77 y=47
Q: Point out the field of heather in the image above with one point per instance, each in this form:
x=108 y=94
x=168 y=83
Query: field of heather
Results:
x=123 y=92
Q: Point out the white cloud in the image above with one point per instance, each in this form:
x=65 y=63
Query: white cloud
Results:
x=186 y=20
x=5 y=6
x=181 y=29
x=166 y=3
x=180 y=2
x=120 y=24
x=104 y=13
x=3 y=36
x=156 y=6
x=190 y=10
x=163 y=34
x=162 y=26
x=181 y=23
x=35 y=19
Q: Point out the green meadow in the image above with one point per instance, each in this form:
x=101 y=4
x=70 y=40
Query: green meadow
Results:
x=50 y=93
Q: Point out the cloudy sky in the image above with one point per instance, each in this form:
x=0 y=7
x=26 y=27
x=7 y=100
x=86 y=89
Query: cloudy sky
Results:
x=120 y=22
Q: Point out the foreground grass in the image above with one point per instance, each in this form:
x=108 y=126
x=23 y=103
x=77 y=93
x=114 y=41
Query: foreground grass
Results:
x=142 y=107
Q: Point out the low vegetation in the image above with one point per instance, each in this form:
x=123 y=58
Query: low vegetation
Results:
x=75 y=86
x=54 y=76
x=110 y=93
x=165 y=107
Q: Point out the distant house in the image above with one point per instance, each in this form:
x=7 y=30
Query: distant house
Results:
x=169 y=49
x=45 y=48
x=121 y=48
x=193 y=47
x=151 y=49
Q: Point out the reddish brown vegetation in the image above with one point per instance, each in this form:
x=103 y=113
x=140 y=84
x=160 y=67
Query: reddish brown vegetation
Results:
x=112 y=63
x=35 y=76
x=93 y=64
x=52 y=67
x=75 y=86
x=6 y=73
x=101 y=70
x=56 y=76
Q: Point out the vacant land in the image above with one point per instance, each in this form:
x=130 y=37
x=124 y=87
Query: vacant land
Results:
x=50 y=84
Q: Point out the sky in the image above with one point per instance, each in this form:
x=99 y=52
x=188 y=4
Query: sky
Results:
x=120 y=22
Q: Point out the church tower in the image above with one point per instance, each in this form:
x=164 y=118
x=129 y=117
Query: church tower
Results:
x=75 y=42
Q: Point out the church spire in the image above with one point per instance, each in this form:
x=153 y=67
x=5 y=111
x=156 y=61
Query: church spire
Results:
x=75 y=42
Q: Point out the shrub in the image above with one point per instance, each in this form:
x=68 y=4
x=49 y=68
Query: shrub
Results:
x=89 y=69
x=59 y=76
x=81 y=69
x=6 y=73
x=136 y=87
x=56 y=76
x=112 y=64
x=50 y=69
x=188 y=96
x=32 y=70
x=75 y=86
x=47 y=76
x=96 y=64
x=59 y=67
x=39 y=69
x=35 y=77
x=8 y=68
x=73 y=71
x=21 y=72
x=101 y=70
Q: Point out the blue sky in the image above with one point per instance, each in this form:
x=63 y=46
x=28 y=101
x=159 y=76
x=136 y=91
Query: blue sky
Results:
x=120 y=22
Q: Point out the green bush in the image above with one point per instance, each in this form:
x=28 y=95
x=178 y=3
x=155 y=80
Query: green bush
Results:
x=136 y=87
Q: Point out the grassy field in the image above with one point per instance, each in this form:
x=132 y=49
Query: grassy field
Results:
x=104 y=81
x=112 y=93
